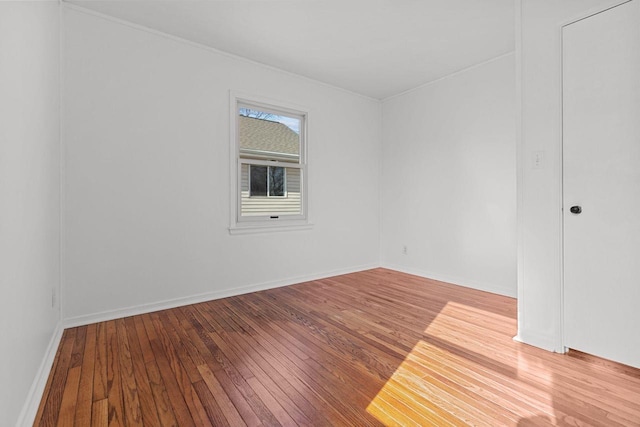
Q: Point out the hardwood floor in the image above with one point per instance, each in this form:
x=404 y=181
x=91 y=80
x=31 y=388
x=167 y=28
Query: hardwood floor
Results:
x=371 y=348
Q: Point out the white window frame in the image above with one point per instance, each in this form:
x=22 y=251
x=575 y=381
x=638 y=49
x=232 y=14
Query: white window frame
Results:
x=265 y=223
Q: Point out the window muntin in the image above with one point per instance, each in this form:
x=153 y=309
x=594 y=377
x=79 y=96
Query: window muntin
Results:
x=270 y=147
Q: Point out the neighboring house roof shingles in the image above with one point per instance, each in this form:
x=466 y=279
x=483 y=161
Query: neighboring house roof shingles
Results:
x=264 y=136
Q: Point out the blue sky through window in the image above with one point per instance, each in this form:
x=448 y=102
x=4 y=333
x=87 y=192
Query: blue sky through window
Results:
x=290 y=122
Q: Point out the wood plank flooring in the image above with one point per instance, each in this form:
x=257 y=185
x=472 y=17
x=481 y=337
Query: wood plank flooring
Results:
x=371 y=348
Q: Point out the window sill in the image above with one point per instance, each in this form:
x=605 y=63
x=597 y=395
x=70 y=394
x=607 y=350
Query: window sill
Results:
x=270 y=228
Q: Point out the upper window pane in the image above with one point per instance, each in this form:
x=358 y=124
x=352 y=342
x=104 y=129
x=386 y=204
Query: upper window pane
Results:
x=268 y=135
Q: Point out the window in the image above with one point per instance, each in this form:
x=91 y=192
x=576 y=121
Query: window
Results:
x=268 y=165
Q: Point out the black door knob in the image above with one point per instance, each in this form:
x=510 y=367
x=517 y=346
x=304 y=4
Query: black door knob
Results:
x=576 y=209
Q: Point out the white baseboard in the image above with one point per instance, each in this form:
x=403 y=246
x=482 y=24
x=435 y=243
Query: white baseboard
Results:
x=454 y=280
x=208 y=296
x=30 y=408
x=543 y=341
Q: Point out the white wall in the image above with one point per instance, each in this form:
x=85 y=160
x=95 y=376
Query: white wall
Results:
x=540 y=190
x=29 y=196
x=448 y=180
x=146 y=129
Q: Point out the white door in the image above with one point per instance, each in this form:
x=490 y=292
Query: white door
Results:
x=601 y=174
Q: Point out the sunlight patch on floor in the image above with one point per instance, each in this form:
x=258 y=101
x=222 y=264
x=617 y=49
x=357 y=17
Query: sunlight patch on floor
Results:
x=449 y=379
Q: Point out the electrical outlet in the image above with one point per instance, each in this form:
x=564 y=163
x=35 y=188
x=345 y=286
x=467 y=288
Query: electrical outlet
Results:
x=54 y=297
x=404 y=250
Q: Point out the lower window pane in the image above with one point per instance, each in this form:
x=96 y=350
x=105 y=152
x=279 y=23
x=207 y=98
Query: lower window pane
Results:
x=284 y=191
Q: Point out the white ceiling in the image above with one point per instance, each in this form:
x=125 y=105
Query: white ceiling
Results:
x=377 y=48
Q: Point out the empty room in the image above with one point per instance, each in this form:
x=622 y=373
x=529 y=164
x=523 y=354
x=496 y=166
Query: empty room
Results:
x=319 y=213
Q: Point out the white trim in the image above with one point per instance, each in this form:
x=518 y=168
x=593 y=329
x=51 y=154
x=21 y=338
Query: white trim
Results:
x=560 y=173
x=485 y=287
x=62 y=273
x=235 y=178
x=447 y=76
x=32 y=402
x=280 y=226
x=543 y=341
x=380 y=192
x=202 y=46
x=271 y=163
x=520 y=165
x=207 y=296
x=561 y=338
